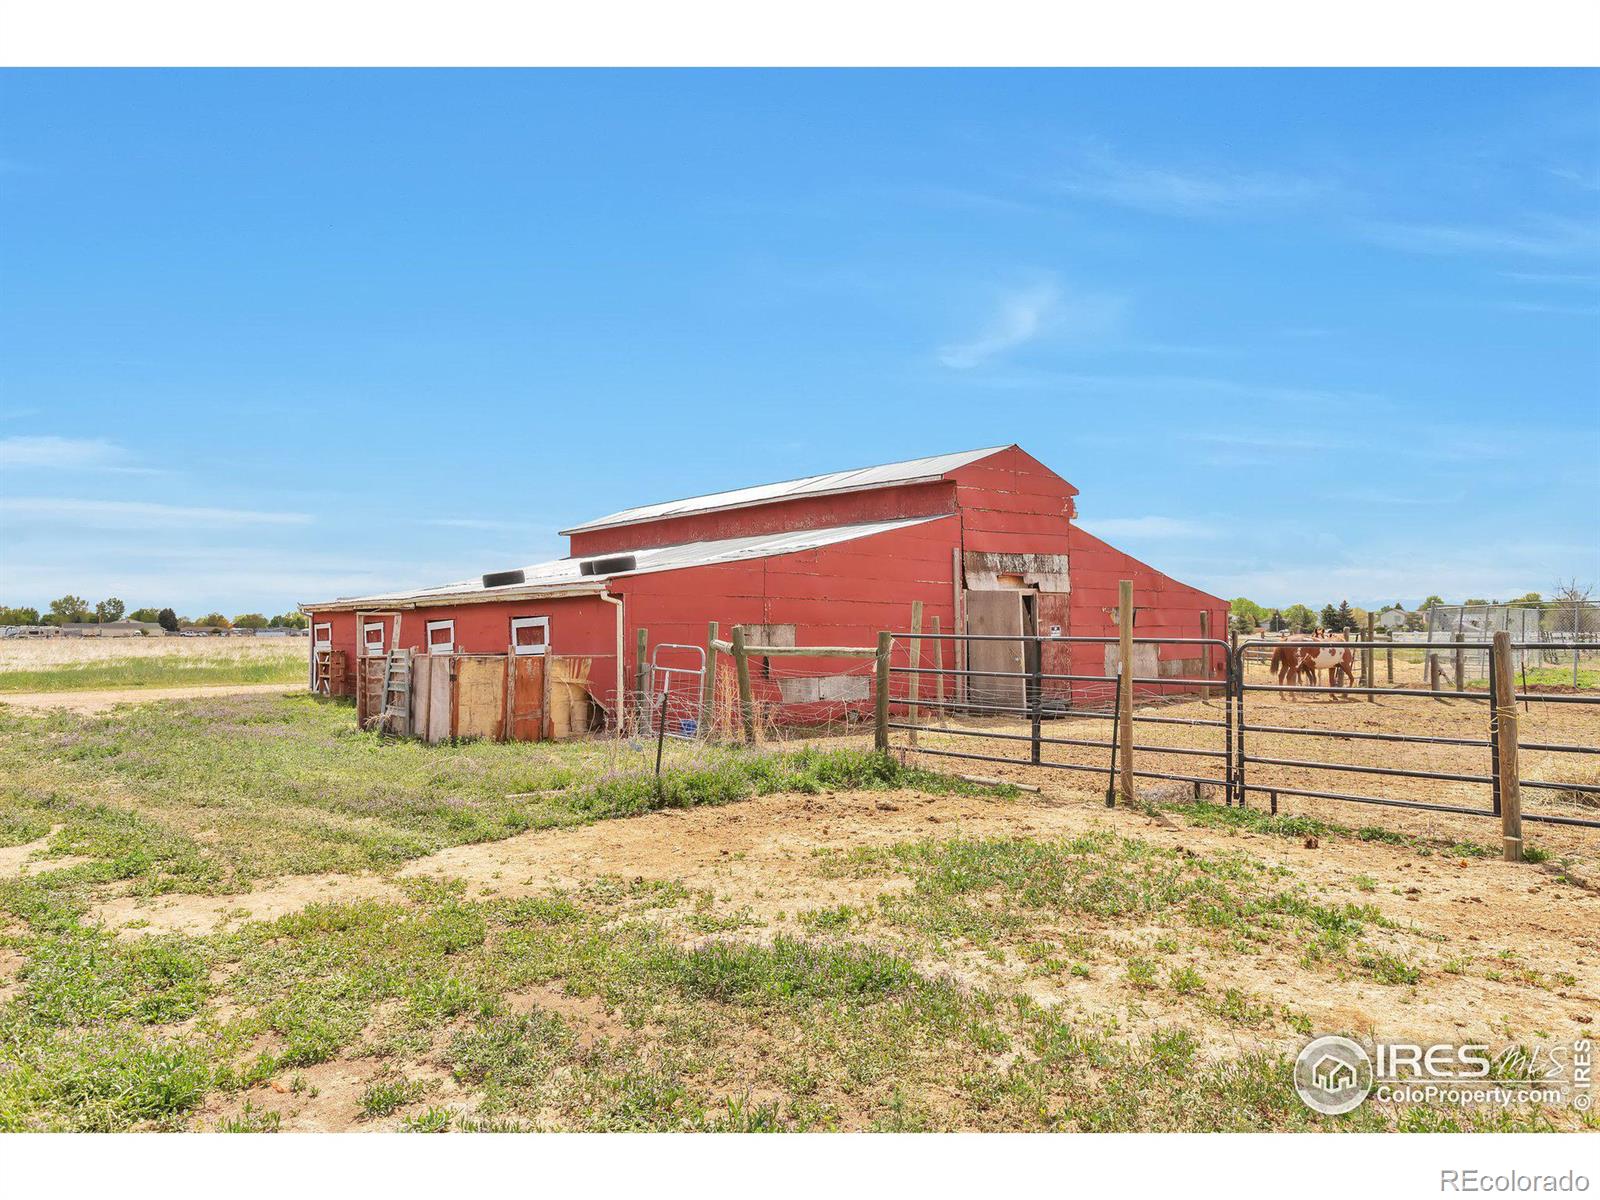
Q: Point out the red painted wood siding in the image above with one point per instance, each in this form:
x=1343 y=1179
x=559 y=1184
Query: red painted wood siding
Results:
x=1011 y=503
x=813 y=512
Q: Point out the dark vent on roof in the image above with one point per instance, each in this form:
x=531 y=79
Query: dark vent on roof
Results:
x=614 y=565
x=503 y=578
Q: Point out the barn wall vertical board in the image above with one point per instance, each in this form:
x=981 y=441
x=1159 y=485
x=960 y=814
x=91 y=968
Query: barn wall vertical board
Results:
x=441 y=691
x=421 y=674
x=480 y=696
x=528 y=698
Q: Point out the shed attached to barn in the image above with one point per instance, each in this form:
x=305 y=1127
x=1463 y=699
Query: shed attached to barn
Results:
x=985 y=539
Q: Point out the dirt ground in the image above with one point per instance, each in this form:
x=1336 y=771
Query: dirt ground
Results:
x=1452 y=717
x=102 y=701
x=763 y=857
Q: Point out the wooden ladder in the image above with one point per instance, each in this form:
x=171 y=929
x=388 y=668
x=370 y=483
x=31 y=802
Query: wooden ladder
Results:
x=396 y=694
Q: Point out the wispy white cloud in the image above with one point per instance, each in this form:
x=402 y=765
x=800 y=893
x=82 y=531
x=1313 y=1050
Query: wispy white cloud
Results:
x=133 y=514
x=1188 y=192
x=1152 y=527
x=50 y=453
x=59 y=453
x=1544 y=237
x=1026 y=314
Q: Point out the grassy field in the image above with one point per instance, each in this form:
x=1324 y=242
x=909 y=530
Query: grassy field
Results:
x=243 y=914
x=74 y=664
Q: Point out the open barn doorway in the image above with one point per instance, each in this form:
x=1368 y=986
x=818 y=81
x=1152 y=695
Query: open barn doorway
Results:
x=1001 y=620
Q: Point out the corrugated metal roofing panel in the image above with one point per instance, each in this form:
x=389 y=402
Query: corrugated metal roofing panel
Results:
x=564 y=575
x=911 y=471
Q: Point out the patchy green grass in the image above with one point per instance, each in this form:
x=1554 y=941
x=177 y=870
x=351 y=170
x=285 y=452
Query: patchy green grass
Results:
x=1020 y=894
x=212 y=795
x=160 y=671
x=569 y=1011
x=626 y=1003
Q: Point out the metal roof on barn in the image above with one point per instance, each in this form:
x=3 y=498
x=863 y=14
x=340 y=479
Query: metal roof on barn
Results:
x=563 y=575
x=915 y=470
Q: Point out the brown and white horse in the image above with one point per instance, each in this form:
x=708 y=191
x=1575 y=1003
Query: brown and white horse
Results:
x=1297 y=661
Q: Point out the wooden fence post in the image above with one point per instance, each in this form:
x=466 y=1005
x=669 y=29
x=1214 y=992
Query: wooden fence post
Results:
x=1125 y=717
x=915 y=688
x=1388 y=659
x=1369 y=661
x=708 y=685
x=747 y=703
x=1505 y=736
x=880 y=722
x=1205 y=651
x=641 y=680
x=938 y=665
x=1461 y=664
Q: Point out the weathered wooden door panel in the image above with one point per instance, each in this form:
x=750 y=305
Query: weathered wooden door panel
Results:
x=527 y=698
x=989 y=614
x=1056 y=658
x=480 y=697
x=440 y=672
x=421 y=673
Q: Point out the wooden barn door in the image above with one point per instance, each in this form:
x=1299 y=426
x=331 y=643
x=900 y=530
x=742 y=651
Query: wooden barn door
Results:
x=528 y=693
x=988 y=614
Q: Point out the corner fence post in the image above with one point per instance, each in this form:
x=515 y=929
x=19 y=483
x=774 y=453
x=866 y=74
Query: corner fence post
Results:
x=1504 y=727
x=747 y=703
x=1125 y=708
x=708 y=685
x=880 y=715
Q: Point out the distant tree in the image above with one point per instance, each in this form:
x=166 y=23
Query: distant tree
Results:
x=1276 y=623
x=1358 y=618
x=70 y=608
x=293 y=620
x=1572 y=610
x=250 y=621
x=1430 y=602
x=109 y=609
x=1329 y=618
x=1475 y=602
x=1245 y=615
x=1346 y=618
x=1528 y=600
x=168 y=620
x=18 y=616
x=145 y=614
x=1301 y=619
x=213 y=621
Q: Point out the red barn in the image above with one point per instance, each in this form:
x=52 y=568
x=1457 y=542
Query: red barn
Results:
x=984 y=539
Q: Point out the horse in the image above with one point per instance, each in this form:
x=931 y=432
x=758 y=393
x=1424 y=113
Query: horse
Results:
x=1297 y=661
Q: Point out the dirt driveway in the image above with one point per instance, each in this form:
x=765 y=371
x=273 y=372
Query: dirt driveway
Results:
x=95 y=702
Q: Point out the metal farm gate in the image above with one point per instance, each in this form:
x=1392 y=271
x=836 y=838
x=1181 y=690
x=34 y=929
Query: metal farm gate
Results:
x=1502 y=657
x=1011 y=710
x=1023 y=708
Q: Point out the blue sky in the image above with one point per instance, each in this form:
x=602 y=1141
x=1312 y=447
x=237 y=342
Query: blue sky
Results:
x=266 y=337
